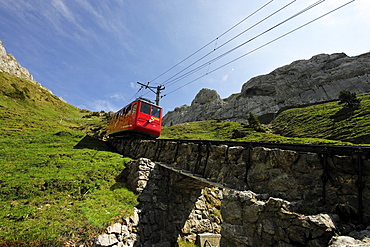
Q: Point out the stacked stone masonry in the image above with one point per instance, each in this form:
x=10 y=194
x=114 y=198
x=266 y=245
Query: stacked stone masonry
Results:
x=299 y=217
x=285 y=174
x=167 y=212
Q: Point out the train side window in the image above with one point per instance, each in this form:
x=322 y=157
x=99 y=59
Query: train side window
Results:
x=134 y=108
x=156 y=111
x=128 y=110
x=145 y=108
x=120 y=113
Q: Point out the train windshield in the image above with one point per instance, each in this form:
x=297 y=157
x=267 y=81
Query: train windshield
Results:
x=145 y=108
x=150 y=109
x=156 y=111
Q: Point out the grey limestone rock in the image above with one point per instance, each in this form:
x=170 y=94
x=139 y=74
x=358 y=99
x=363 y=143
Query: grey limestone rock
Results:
x=300 y=83
x=10 y=65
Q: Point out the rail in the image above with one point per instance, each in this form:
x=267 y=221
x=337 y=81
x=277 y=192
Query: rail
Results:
x=312 y=148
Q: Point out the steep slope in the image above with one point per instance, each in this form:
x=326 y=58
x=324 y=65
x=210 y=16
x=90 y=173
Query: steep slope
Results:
x=26 y=107
x=10 y=65
x=55 y=181
x=329 y=121
x=302 y=82
x=234 y=131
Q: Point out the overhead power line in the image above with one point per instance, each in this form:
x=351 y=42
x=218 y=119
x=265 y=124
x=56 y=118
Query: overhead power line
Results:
x=233 y=38
x=200 y=49
x=267 y=43
x=203 y=47
x=183 y=76
x=135 y=95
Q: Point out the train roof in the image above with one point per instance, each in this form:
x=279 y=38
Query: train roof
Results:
x=141 y=99
x=146 y=100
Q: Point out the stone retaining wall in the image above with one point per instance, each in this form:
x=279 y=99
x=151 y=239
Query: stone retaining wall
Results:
x=172 y=208
x=167 y=211
x=292 y=176
x=251 y=222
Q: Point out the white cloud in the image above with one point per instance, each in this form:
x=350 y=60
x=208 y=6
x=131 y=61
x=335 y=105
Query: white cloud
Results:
x=134 y=85
x=226 y=77
x=362 y=11
x=60 y=7
x=117 y=96
x=110 y=18
x=65 y=18
x=99 y=105
x=57 y=14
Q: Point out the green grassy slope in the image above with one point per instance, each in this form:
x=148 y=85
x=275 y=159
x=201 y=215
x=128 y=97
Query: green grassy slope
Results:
x=318 y=124
x=24 y=96
x=329 y=121
x=57 y=185
x=223 y=130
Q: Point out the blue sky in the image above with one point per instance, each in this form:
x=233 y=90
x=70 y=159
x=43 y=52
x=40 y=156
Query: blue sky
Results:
x=92 y=53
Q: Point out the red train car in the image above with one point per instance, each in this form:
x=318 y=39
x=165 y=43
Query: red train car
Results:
x=140 y=118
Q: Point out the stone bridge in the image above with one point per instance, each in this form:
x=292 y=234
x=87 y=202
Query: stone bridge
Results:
x=247 y=195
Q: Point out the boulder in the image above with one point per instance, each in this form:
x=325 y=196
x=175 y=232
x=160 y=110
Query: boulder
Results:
x=106 y=240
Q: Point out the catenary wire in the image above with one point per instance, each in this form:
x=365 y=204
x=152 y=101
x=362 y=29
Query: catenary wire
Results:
x=267 y=43
x=183 y=76
x=169 y=83
x=134 y=96
x=212 y=41
x=259 y=9
x=233 y=38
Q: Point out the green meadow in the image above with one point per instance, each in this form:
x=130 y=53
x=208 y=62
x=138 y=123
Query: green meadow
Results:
x=58 y=183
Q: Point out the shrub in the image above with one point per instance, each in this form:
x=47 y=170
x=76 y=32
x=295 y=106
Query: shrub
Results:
x=348 y=99
x=255 y=123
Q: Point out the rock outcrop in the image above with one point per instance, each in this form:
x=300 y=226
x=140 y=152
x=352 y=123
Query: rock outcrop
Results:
x=302 y=82
x=10 y=65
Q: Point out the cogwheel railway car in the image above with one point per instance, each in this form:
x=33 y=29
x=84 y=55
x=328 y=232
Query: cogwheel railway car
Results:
x=141 y=118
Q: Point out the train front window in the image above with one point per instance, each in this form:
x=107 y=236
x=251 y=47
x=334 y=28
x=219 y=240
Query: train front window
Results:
x=145 y=108
x=156 y=111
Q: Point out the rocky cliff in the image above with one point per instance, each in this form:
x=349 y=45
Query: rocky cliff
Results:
x=10 y=65
x=302 y=82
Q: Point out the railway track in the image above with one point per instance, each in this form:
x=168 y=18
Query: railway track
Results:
x=304 y=148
